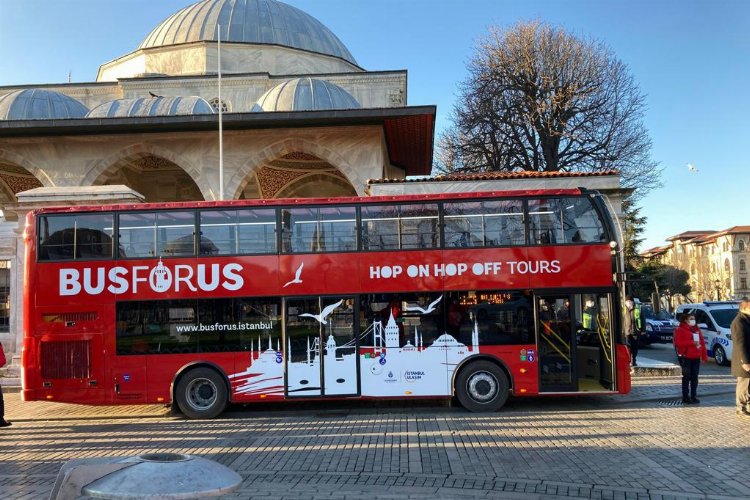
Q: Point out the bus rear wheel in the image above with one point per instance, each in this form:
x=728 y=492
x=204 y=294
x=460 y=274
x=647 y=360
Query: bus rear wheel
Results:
x=482 y=387
x=201 y=393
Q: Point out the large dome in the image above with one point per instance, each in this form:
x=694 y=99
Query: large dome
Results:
x=248 y=21
x=39 y=104
x=305 y=94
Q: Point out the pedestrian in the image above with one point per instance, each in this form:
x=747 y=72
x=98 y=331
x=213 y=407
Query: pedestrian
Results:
x=631 y=330
x=691 y=350
x=3 y=422
x=741 y=357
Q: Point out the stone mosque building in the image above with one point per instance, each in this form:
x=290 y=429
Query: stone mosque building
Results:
x=301 y=118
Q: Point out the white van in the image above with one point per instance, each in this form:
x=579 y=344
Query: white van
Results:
x=714 y=319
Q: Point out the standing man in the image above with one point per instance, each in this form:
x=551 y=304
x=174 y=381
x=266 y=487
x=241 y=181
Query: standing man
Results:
x=741 y=357
x=3 y=422
x=631 y=330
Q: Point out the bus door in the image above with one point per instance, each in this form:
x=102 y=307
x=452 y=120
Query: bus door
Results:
x=555 y=344
x=322 y=354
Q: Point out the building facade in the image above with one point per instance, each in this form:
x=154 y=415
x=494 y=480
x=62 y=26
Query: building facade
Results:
x=717 y=262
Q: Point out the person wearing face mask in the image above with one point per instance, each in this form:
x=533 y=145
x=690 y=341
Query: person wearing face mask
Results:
x=691 y=350
x=741 y=358
x=631 y=330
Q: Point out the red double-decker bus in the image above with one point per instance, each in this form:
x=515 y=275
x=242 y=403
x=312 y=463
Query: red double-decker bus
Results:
x=474 y=295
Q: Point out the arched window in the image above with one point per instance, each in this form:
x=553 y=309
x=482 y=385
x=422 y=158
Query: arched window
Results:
x=215 y=104
x=726 y=265
x=742 y=265
x=741 y=245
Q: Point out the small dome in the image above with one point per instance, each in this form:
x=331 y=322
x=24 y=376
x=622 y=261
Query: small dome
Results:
x=40 y=104
x=248 y=21
x=152 y=106
x=305 y=94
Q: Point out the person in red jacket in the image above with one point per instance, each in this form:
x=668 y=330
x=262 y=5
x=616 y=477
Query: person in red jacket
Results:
x=691 y=350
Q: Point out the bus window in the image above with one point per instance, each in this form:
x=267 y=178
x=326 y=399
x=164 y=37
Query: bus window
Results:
x=226 y=232
x=137 y=234
x=400 y=227
x=564 y=220
x=220 y=228
x=79 y=237
x=338 y=229
x=485 y=223
x=419 y=226
x=581 y=222
x=256 y=231
x=545 y=226
x=380 y=228
x=175 y=234
x=327 y=229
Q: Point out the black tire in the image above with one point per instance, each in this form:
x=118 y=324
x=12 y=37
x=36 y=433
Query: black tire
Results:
x=482 y=386
x=720 y=356
x=201 y=393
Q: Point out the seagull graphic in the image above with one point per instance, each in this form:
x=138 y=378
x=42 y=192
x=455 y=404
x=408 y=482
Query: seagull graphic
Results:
x=429 y=309
x=324 y=313
x=692 y=168
x=297 y=275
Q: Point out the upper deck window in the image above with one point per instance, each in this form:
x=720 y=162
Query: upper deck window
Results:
x=76 y=237
x=564 y=220
x=397 y=227
x=319 y=229
x=226 y=232
x=484 y=223
x=157 y=234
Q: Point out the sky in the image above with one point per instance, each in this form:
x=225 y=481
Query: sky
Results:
x=690 y=58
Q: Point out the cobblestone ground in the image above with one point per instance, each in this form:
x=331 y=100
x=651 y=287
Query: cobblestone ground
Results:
x=644 y=445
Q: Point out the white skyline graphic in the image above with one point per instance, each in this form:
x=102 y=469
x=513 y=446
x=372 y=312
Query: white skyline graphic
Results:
x=385 y=367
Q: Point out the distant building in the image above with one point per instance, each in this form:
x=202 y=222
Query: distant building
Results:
x=717 y=261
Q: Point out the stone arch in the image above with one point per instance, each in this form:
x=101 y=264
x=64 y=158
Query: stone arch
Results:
x=109 y=166
x=9 y=157
x=298 y=187
x=244 y=175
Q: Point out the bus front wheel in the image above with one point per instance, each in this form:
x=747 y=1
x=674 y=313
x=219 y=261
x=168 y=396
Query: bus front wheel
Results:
x=201 y=393
x=482 y=387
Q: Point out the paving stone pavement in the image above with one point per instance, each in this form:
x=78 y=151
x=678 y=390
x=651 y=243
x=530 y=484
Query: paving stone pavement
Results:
x=643 y=445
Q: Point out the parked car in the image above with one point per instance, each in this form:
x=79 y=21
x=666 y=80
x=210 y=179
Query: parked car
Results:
x=658 y=327
x=714 y=319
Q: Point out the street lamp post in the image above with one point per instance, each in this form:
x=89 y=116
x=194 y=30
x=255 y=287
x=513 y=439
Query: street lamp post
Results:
x=717 y=283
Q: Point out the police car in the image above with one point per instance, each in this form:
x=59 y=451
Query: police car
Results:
x=657 y=327
x=714 y=320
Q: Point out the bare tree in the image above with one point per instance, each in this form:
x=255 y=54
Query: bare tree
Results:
x=538 y=98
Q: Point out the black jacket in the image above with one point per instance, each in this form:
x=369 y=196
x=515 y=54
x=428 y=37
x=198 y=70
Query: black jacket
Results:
x=740 y=345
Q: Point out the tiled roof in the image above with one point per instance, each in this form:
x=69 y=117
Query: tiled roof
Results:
x=732 y=230
x=690 y=234
x=488 y=176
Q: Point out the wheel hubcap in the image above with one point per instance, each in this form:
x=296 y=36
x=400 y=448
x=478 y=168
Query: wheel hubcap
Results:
x=201 y=394
x=719 y=355
x=482 y=387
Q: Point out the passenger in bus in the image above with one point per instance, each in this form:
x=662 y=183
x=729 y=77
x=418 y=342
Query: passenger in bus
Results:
x=691 y=350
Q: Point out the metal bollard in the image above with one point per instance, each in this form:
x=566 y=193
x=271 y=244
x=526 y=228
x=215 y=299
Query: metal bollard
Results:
x=153 y=475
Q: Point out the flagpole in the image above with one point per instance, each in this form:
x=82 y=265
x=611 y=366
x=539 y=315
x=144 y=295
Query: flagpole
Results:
x=221 y=126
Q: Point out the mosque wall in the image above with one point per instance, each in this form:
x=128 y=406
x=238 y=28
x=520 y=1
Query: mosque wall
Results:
x=356 y=152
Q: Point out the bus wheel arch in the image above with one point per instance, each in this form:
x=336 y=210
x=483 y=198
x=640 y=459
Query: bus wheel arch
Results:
x=201 y=390
x=482 y=384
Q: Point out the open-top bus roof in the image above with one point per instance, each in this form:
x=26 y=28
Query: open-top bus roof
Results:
x=309 y=201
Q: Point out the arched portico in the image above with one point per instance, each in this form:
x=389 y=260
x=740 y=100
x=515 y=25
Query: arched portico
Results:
x=157 y=173
x=291 y=161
